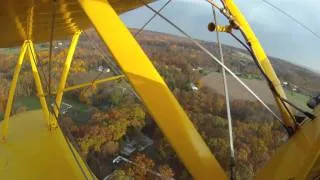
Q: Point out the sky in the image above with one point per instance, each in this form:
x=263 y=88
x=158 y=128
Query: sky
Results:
x=279 y=35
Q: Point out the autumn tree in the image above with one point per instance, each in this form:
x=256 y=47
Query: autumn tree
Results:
x=166 y=172
x=119 y=175
x=140 y=169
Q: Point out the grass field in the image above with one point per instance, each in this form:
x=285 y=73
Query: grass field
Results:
x=215 y=81
x=298 y=99
x=33 y=103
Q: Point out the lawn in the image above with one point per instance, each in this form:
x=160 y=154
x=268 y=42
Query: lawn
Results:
x=32 y=102
x=79 y=111
x=298 y=99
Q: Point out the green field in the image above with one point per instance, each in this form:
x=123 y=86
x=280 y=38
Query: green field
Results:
x=298 y=99
x=32 y=103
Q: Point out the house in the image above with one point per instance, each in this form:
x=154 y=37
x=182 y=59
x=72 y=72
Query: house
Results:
x=102 y=68
x=194 y=87
x=136 y=142
x=197 y=69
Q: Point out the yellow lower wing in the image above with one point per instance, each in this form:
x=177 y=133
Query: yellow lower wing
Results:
x=33 y=152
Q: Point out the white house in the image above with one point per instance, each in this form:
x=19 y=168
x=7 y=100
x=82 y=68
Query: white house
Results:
x=194 y=87
x=101 y=68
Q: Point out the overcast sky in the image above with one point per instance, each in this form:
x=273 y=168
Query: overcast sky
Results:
x=280 y=36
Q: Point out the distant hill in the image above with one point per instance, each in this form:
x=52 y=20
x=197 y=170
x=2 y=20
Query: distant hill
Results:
x=236 y=59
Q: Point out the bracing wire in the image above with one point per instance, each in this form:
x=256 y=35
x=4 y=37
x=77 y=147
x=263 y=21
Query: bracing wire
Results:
x=283 y=101
x=48 y=82
x=106 y=58
x=149 y=21
x=38 y=64
x=135 y=35
x=264 y=75
x=60 y=122
x=292 y=18
x=311 y=116
x=53 y=19
x=227 y=99
x=217 y=61
x=108 y=61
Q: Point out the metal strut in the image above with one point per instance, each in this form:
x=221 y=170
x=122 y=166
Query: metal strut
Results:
x=65 y=71
x=27 y=47
x=262 y=59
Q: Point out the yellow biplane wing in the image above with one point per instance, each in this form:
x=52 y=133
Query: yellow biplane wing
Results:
x=32 y=19
x=30 y=151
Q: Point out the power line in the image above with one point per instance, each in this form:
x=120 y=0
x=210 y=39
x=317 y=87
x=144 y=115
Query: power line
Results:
x=292 y=18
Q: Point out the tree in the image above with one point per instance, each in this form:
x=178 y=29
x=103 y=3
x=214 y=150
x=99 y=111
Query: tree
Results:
x=141 y=167
x=110 y=148
x=86 y=95
x=119 y=175
x=166 y=172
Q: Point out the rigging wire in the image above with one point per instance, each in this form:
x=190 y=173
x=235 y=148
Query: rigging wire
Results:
x=292 y=18
x=135 y=35
x=249 y=48
x=149 y=21
x=216 y=60
x=69 y=138
x=106 y=58
x=38 y=64
x=51 y=110
x=226 y=92
x=271 y=85
x=53 y=8
x=109 y=62
x=289 y=130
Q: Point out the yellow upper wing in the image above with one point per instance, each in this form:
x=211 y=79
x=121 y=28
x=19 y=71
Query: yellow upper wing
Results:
x=32 y=19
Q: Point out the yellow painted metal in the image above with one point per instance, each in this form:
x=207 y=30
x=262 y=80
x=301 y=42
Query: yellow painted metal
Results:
x=262 y=59
x=65 y=72
x=93 y=83
x=12 y=91
x=33 y=152
x=30 y=19
x=153 y=91
x=223 y=28
x=299 y=158
x=36 y=76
